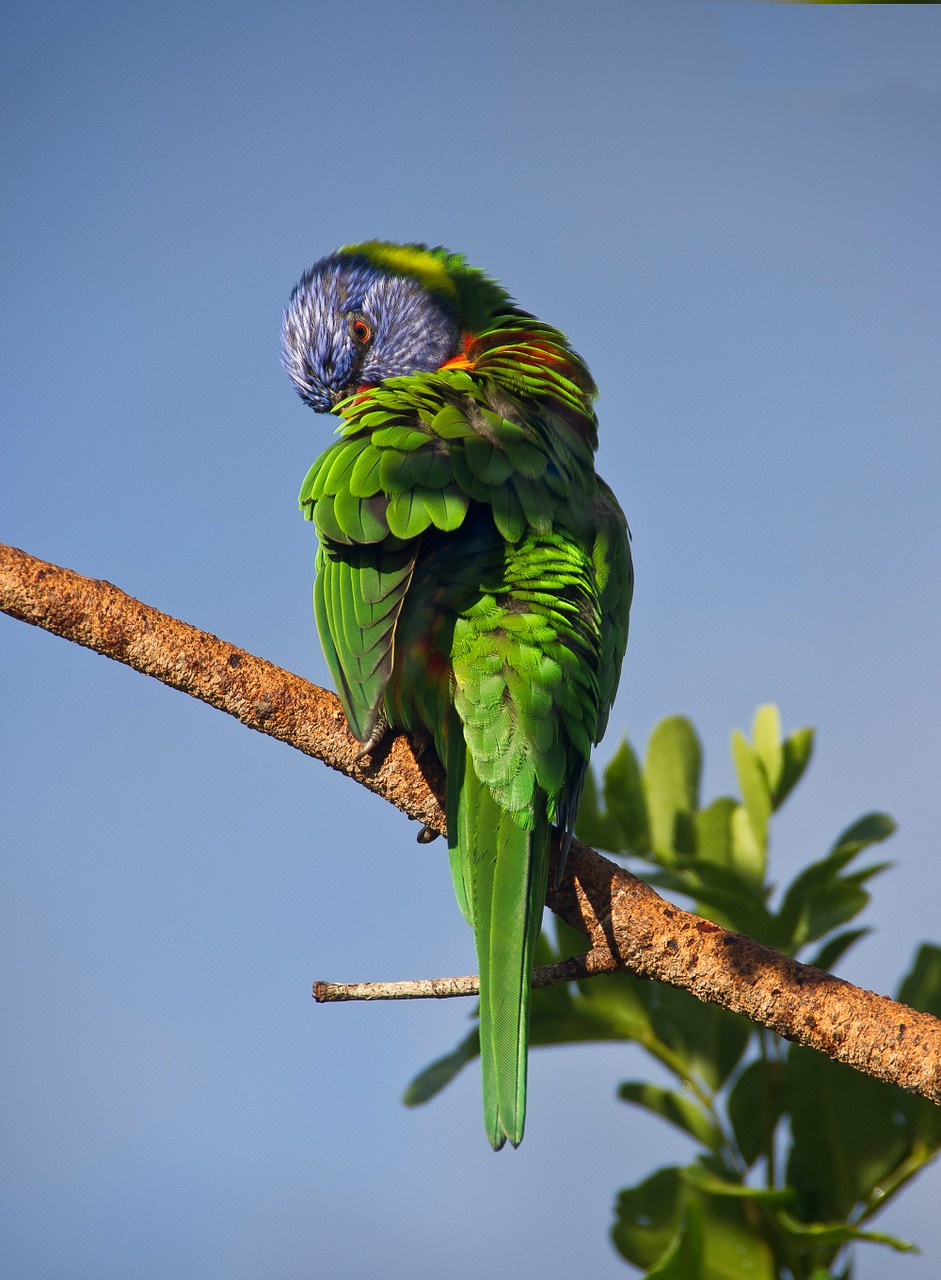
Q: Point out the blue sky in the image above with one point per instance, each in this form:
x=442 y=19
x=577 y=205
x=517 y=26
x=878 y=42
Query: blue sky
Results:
x=732 y=210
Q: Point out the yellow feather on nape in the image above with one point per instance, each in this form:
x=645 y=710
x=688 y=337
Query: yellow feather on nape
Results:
x=415 y=260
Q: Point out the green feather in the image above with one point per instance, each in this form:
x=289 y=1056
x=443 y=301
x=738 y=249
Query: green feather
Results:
x=407 y=515
x=329 y=529
x=507 y=513
x=336 y=474
x=446 y=508
x=361 y=519
x=450 y=424
x=364 y=478
x=399 y=437
x=487 y=461
x=510 y=868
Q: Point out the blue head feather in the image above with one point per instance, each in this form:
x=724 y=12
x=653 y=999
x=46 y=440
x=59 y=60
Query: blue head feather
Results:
x=411 y=330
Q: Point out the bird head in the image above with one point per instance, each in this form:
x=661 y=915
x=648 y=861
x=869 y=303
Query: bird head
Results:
x=366 y=313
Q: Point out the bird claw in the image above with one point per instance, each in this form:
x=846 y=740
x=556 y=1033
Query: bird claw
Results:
x=427 y=834
x=375 y=739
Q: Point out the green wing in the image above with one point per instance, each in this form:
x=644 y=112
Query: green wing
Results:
x=358 y=596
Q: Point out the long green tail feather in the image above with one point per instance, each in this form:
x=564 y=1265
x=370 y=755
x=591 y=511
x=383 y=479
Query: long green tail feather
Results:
x=505 y=869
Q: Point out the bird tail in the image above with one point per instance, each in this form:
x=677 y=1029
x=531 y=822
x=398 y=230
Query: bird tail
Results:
x=500 y=872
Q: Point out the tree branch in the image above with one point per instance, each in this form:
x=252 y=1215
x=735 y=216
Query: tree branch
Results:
x=629 y=926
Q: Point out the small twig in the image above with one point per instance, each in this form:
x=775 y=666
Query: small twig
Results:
x=420 y=989
x=546 y=975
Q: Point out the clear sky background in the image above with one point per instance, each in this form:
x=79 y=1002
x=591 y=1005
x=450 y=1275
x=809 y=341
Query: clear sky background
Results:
x=733 y=210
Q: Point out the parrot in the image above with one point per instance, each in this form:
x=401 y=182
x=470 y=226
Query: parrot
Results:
x=473 y=578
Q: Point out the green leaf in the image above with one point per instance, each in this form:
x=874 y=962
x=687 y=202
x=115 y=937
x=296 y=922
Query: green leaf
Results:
x=837 y=947
x=804 y=909
x=442 y=1071
x=672 y=771
x=867 y=873
x=826 y=907
x=921 y=988
x=730 y=885
x=837 y=1233
x=622 y=826
x=560 y=1017
x=676 y=1108
x=568 y=941
x=710 y=1041
x=769 y=747
x=747 y=854
x=702 y=1236
x=685 y=1259
x=714 y=832
x=647 y=1218
x=798 y=748
x=871 y=828
x=734 y=1242
x=591 y=825
x=624 y=800
x=691 y=1038
x=709 y=1182
x=754 y=1107
x=826 y=871
x=848 y=1131
x=755 y=793
x=617 y=1005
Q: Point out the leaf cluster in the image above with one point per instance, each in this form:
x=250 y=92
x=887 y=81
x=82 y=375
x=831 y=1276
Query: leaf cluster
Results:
x=794 y=1154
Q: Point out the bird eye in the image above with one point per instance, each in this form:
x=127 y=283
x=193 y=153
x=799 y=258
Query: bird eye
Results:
x=360 y=330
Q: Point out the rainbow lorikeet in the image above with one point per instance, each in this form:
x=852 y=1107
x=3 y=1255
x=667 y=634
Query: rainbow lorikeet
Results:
x=473 y=577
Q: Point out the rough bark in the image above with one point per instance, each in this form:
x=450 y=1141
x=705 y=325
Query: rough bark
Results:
x=629 y=925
